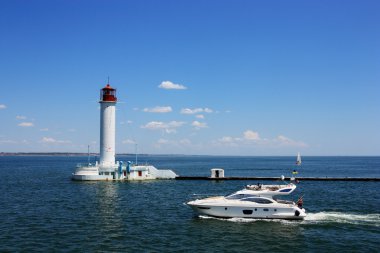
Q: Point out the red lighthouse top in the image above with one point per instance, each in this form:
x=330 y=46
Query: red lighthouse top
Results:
x=108 y=94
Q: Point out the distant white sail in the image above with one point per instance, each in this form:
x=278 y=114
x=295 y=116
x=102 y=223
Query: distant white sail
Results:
x=299 y=161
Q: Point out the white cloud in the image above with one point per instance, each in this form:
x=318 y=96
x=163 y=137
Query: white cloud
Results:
x=285 y=141
x=185 y=142
x=8 y=142
x=14 y=142
x=169 y=127
x=176 y=123
x=20 y=117
x=159 y=109
x=49 y=140
x=174 y=143
x=282 y=138
x=200 y=116
x=153 y=125
x=128 y=141
x=44 y=129
x=251 y=135
x=196 y=110
x=2 y=106
x=199 y=125
x=167 y=85
x=26 y=124
x=226 y=139
x=253 y=138
x=162 y=141
x=128 y=122
x=191 y=111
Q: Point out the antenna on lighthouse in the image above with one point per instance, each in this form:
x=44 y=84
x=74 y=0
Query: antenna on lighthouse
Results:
x=108 y=80
x=88 y=154
x=136 y=152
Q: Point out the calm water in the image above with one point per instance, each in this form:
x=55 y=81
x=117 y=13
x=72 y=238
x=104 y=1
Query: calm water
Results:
x=41 y=209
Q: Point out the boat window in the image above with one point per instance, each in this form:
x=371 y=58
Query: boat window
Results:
x=258 y=200
x=239 y=196
x=285 y=190
x=247 y=211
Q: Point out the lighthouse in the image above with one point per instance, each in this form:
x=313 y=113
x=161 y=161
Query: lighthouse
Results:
x=107 y=127
x=107 y=168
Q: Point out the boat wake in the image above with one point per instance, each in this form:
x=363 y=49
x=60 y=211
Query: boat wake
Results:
x=315 y=218
x=347 y=218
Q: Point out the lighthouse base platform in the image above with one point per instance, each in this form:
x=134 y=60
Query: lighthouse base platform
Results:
x=120 y=172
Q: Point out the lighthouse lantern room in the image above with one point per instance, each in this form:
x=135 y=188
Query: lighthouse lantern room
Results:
x=108 y=94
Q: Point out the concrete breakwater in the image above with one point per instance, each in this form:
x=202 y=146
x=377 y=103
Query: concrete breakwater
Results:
x=277 y=178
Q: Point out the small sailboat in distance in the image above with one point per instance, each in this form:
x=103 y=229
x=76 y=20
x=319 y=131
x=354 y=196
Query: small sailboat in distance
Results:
x=299 y=161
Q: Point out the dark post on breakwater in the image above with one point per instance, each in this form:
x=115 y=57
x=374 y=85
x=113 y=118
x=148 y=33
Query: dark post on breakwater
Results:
x=277 y=178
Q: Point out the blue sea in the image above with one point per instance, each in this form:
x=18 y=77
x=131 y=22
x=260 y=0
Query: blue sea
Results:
x=42 y=210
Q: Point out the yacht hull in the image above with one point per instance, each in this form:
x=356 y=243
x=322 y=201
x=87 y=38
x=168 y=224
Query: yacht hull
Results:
x=277 y=211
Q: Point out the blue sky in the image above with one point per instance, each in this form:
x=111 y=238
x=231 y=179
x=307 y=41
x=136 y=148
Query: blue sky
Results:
x=192 y=77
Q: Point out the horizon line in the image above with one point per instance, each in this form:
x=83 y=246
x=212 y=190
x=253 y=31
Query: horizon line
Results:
x=152 y=154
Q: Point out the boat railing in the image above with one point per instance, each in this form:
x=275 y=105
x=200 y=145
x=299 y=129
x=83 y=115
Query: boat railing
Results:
x=86 y=165
x=260 y=187
x=196 y=196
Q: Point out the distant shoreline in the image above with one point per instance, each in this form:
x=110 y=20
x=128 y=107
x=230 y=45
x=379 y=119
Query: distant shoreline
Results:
x=131 y=154
x=79 y=154
x=49 y=154
x=45 y=154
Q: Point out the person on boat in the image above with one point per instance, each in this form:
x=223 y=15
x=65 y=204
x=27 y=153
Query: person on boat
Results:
x=295 y=172
x=300 y=202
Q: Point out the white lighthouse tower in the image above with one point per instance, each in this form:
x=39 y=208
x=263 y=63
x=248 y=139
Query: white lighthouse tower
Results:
x=107 y=127
x=107 y=168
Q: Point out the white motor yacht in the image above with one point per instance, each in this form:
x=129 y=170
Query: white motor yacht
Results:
x=255 y=201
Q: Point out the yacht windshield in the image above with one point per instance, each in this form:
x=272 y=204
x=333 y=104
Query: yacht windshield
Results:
x=239 y=196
